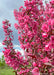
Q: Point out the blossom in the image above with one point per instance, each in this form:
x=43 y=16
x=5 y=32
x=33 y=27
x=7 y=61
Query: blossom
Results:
x=45 y=27
x=52 y=39
x=3 y=22
x=34 y=64
x=26 y=40
x=52 y=1
x=16 y=25
x=45 y=60
x=35 y=71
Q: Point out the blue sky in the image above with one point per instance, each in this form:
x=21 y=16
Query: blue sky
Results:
x=6 y=12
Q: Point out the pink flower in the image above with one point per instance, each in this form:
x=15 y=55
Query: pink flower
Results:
x=5 y=27
x=45 y=60
x=4 y=22
x=52 y=24
x=34 y=64
x=52 y=1
x=35 y=71
x=3 y=43
x=45 y=27
x=16 y=25
x=52 y=39
x=26 y=40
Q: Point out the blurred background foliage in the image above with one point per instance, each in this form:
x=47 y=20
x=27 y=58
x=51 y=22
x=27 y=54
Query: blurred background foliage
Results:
x=4 y=68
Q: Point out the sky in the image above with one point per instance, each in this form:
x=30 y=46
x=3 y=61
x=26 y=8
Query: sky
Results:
x=6 y=12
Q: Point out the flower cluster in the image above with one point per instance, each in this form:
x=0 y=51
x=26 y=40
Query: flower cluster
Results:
x=36 y=29
x=12 y=58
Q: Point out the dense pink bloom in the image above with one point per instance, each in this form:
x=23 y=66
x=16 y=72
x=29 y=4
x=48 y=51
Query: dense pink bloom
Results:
x=12 y=58
x=36 y=29
x=36 y=36
x=6 y=52
x=45 y=60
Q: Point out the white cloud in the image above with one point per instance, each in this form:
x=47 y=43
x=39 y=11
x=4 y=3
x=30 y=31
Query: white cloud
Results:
x=16 y=46
x=1 y=44
x=21 y=51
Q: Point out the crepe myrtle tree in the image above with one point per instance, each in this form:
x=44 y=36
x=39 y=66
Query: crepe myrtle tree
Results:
x=36 y=36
